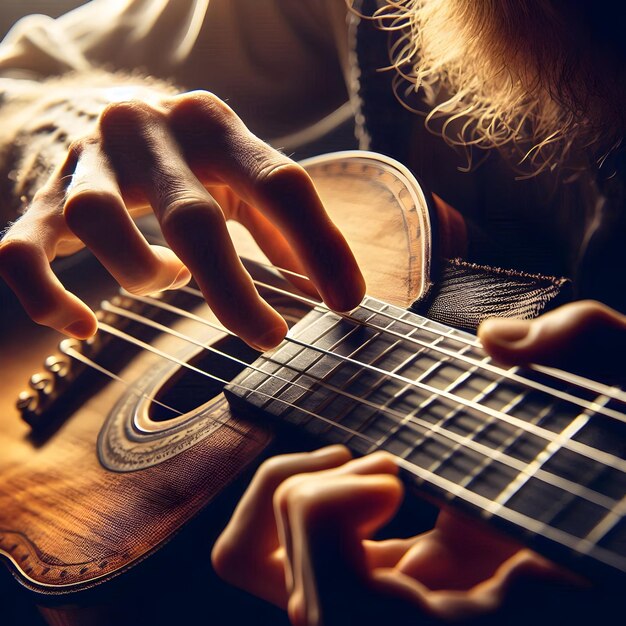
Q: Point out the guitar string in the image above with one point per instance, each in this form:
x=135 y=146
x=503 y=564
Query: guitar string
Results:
x=416 y=424
x=580 y=381
x=502 y=373
x=595 y=454
x=68 y=348
x=487 y=506
x=508 y=374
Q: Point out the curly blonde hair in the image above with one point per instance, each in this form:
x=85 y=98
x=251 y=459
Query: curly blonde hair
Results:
x=533 y=77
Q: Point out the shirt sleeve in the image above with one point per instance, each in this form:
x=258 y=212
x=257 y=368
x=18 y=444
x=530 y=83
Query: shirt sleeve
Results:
x=277 y=61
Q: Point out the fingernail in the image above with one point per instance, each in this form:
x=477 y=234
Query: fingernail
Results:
x=506 y=331
x=81 y=329
x=182 y=278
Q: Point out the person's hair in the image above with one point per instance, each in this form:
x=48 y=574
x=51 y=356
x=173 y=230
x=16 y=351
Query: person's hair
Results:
x=531 y=76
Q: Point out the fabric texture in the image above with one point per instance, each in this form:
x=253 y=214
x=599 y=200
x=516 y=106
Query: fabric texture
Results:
x=467 y=293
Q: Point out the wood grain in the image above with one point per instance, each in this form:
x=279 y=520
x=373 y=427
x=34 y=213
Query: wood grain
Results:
x=65 y=521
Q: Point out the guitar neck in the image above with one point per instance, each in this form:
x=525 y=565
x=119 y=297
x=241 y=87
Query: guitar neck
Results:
x=536 y=451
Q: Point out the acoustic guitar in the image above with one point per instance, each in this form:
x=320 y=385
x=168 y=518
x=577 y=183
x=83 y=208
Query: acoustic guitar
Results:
x=129 y=438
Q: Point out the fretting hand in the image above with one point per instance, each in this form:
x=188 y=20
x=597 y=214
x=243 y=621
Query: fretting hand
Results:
x=195 y=164
x=300 y=537
x=584 y=337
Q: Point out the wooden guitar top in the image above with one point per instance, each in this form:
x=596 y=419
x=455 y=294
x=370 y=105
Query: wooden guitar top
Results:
x=68 y=522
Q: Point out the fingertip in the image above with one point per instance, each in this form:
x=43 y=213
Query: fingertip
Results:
x=504 y=338
x=182 y=278
x=174 y=265
x=82 y=329
x=346 y=290
x=271 y=338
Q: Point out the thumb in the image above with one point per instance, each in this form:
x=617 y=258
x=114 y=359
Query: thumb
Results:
x=586 y=337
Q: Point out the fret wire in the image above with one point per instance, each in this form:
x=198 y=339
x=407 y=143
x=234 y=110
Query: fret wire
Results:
x=321 y=381
x=591 y=385
x=542 y=457
x=455 y=411
x=386 y=406
x=410 y=418
x=298 y=372
x=612 y=392
x=169 y=357
x=416 y=422
x=376 y=385
x=510 y=374
x=519 y=519
x=413 y=414
x=606 y=525
x=472 y=498
x=579 y=447
x=498 y=452
x=520 y=423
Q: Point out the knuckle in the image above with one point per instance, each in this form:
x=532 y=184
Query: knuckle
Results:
x=592 y=315
x=200 y=103
x=185 y=212
x=595 y=311
x=125 y=117
x=85 y=202
x=298 y=493
x=16 y=252
x=75 y=150
x=273 y=470
x=283 y=176
x=78 y=146
x=200 y=114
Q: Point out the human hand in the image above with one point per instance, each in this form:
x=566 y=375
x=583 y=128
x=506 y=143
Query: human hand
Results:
x=299 y=538
x=195 y=164
x=584 y=337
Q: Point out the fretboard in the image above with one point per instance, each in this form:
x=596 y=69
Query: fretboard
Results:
x=531 y=450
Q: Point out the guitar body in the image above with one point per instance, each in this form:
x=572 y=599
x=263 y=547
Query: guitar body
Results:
x=102 y=482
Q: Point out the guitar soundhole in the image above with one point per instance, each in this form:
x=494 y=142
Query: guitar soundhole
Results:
x=186 y=390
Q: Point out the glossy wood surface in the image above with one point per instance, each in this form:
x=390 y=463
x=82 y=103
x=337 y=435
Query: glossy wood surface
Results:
x=66 y=522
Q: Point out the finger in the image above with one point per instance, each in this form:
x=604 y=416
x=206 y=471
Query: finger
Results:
x=493 y=599
x=250 y=536
x=322 y=521
x=387 y=553
x=457 y=554
x=327 y=556
x=561 y=594
x=95 y=212
x=25 y=255
x=571 y=336
x=192 y=222
x=275 y=247
x=216 y=141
